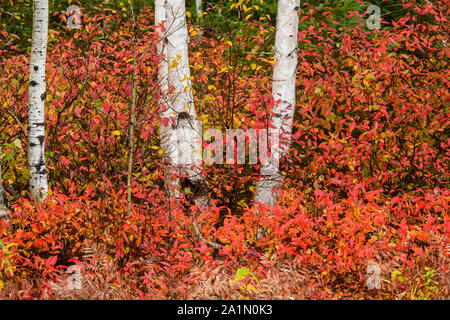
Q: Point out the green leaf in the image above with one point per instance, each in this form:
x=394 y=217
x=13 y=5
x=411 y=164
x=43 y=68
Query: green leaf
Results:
x=242 y=272
x=17 y=143
x=365 y=171
x=331 y=117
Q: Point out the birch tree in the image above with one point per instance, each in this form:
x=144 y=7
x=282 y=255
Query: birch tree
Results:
x=3 y=207
x=36 y=98
x=181 y=101
x=283 y=92
x=180 y=133
x=198 y=7
x=166 y=129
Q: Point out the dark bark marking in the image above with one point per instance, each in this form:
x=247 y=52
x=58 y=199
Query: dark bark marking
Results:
x=41 y=139
x=39 y=166
x=183 y=115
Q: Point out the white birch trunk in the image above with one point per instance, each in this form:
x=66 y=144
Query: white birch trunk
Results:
x=37 y=93
x=167 y=131
x=283 y=92
x=198 y=7
x=177 y=52
x=182 y=101
x=3 y=207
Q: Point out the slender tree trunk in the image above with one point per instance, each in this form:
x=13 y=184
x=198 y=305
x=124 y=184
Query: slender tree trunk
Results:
x=132 y=116
x=181 y=101
x=3 y=206
x=198 y=7
x=37 y=94
x=2 y=7
x=283 y=92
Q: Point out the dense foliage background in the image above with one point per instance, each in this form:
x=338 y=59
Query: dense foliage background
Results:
x=366 y=178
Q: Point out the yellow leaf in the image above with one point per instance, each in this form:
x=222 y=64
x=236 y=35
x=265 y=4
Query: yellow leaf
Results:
x=248 y=16
x=223 y=70
x=188 y=14
x=154 y=147
x=224 y=240
x=229 y=43
x=252 y=288
x=116 y=133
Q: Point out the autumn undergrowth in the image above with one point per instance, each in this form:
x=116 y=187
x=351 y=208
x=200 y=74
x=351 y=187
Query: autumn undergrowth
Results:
x=366 y=179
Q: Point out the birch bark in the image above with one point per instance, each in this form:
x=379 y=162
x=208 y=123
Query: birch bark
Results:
x=198 y=7
x=181 y=101
x=283 y=92
x=36 y=98
x=3 y=207
x=167 y=131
